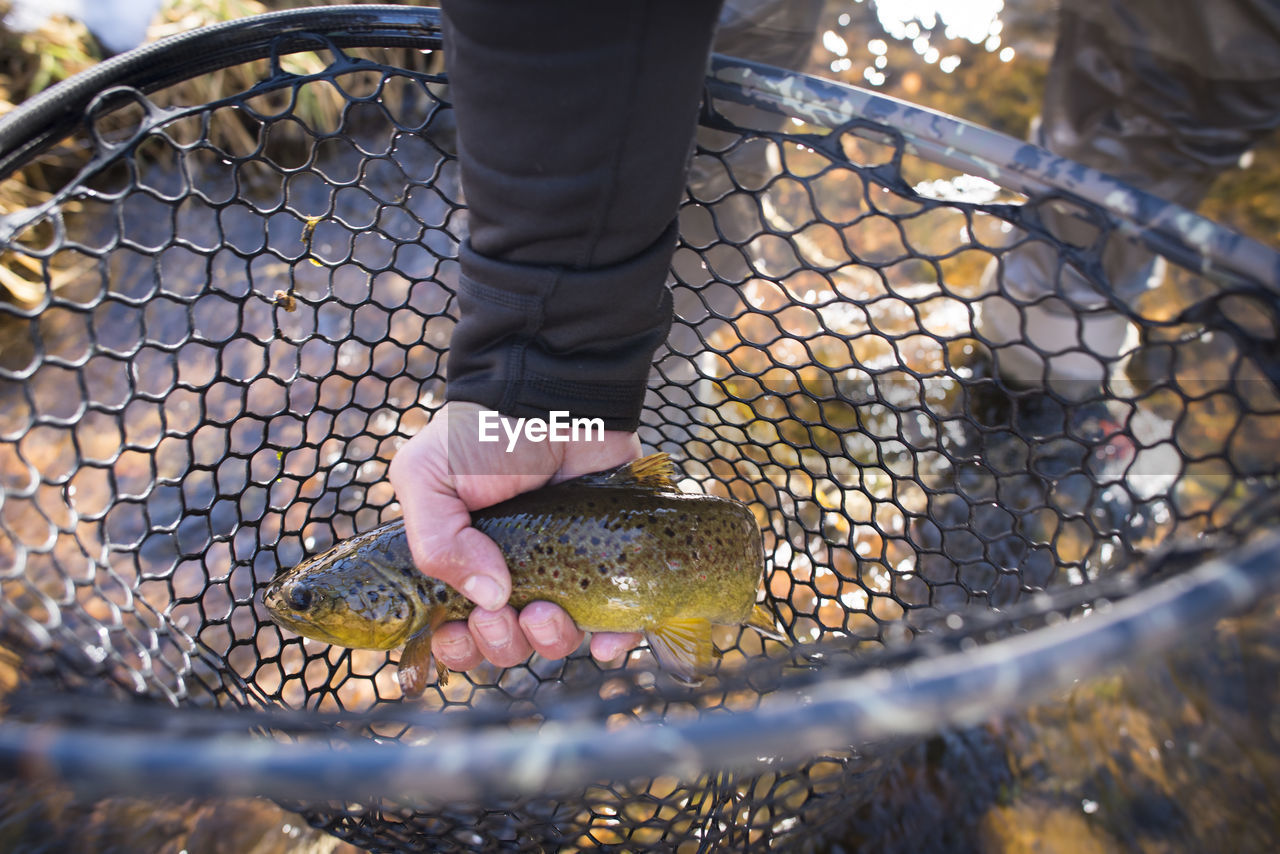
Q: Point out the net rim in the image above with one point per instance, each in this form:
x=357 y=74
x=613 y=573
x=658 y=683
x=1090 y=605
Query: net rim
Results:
x=1198 y=243
x=956 y=689
x=1180 y=234
x=37 y=123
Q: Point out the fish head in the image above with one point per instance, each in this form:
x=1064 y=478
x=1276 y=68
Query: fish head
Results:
x=348 y=602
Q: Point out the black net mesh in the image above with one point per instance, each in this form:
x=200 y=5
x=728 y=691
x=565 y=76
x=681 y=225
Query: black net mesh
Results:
x=225 y=316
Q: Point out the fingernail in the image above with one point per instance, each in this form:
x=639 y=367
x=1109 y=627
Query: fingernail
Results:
x=453 y=646
x=496 y=633
x=608 y=650
x=484 y=591
x=544 y=633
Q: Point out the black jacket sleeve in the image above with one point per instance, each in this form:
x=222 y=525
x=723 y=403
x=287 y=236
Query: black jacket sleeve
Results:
x=575 y=126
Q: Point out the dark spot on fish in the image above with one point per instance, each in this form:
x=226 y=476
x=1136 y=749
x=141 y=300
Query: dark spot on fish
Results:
x=373 y=596
x=604 y=569
x=542 y=570
x=584 y=584
x=555 y=574
x=668 y=532
x=595 y=541
x=622 y=557
x=399 y=613
x=653 y=520
x=688 y=541
x=591 y=504
x=580 y=550
x=442 y=595
x=564 y=538
x=719 y=542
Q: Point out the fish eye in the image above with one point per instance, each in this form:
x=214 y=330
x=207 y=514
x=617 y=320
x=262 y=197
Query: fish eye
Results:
x=299 y=598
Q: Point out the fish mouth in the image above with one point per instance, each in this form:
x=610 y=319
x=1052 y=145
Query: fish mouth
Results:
x=271 y=596
x=300 y=625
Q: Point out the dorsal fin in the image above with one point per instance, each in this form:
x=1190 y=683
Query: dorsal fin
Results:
x=655 y=471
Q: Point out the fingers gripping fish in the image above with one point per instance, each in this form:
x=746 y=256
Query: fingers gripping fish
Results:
x=621 y=550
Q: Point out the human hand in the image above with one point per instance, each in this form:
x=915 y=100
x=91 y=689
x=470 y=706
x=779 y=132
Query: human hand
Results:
x=442 y=474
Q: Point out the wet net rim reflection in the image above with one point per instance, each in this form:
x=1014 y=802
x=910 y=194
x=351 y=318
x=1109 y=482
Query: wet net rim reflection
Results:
x=954 y=683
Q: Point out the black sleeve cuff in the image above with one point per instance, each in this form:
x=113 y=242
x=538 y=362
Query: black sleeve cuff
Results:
x=531 y=340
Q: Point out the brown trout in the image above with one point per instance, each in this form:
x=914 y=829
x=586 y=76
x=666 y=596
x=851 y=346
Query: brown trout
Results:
x=621 y=550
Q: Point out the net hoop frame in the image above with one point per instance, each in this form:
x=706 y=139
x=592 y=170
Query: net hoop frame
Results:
x=953 y=690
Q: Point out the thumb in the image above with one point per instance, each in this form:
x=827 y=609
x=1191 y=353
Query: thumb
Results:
x=438 y=527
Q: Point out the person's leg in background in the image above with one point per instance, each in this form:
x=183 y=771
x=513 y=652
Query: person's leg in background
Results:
x=1164 y=96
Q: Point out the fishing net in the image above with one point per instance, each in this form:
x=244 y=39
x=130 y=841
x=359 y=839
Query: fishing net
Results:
x=986 y=464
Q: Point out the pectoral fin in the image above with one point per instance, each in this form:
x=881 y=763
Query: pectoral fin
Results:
x=682 y=647
x=416 y=662
x=415 y=665
x=764 y=622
